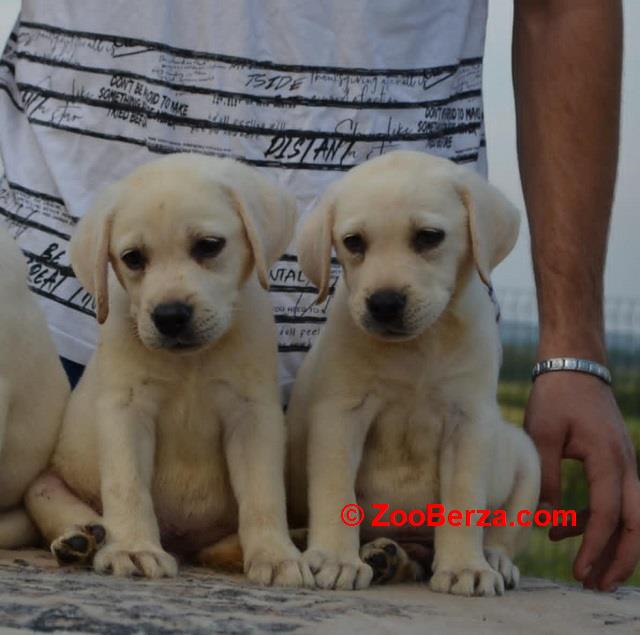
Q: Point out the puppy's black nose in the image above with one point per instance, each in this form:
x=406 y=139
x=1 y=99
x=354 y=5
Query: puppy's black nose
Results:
x=386 y=306
x=172 y=318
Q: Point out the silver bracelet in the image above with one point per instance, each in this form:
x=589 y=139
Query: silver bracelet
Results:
x=574 y=364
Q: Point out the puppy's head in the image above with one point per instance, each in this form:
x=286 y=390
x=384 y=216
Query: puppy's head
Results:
x=182 y=235
x=406 y=227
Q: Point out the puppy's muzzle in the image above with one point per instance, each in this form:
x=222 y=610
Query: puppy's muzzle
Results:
x=386 y=307
x=172 y=319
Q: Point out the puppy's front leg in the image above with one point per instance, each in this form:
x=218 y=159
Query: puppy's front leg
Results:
x=460 y=566
x=336 y=441
x=126 y=434
x=254 y=444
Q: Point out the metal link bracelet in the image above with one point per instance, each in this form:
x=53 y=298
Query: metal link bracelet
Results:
x=573 y=364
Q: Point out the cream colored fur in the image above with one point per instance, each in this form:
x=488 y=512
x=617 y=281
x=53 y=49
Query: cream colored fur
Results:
x=408 y=417
x=182 y=446
x=33 y=392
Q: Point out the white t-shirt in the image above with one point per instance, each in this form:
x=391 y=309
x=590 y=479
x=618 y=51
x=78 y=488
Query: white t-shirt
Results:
x=303 y=90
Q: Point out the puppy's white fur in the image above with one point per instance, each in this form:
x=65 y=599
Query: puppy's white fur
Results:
x=179 y=441
x=408 y=416
x=33 y=393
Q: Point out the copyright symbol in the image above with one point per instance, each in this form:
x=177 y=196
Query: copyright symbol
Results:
x=352 y=515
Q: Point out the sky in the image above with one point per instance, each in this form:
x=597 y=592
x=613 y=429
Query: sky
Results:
x=622 y=276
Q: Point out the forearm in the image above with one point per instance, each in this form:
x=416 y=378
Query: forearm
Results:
x=567 y=67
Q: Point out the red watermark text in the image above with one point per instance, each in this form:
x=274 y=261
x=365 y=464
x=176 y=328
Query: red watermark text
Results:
x=435 y=515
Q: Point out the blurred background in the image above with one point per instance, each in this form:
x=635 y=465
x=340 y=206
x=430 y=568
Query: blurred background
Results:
x=514 y=280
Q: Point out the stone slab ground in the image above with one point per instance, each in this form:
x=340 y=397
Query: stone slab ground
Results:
x=37 y=596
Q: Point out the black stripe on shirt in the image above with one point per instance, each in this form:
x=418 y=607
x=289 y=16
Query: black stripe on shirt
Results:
x=22 y=220
x=148 y=45
x=299 y=319
x=157 y=148
x=37 y=194
x=175 y=120
x=277 y=100
x=5 y=88
x=64 y=270
x=10 y=65
x=67 y=303
x=293 y=348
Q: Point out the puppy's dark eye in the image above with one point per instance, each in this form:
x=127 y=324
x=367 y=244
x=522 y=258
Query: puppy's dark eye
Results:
x=427 y=239
x=354 y=243
x=134 y=259
x=209 y=247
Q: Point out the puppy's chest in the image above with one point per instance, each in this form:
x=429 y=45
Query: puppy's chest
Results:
x=400 y=458
x=191 y=482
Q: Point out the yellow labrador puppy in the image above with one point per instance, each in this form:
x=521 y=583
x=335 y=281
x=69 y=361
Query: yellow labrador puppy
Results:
x=174 y=437
x=33 y=393
x=396 y=402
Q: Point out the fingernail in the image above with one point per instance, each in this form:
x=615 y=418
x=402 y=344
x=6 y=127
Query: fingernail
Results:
x=586 y=572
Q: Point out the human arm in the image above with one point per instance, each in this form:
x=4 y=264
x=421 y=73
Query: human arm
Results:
x=567 y=69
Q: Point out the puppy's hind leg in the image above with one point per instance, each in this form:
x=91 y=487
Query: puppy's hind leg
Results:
x=503 y=543
x=397 y=561
x=73 y=530
x=17 y=530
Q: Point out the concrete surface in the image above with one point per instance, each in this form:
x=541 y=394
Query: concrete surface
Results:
x=37 y=596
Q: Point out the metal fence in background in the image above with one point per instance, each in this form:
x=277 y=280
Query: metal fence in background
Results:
x=622 y=314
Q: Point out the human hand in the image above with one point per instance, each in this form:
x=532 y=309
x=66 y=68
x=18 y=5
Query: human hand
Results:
x=575 y=416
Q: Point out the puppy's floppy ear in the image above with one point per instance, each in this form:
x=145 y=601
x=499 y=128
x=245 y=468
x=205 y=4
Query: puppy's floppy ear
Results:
x=493 y=222
x=314 y=244
x=89 y=250
x=267 y=211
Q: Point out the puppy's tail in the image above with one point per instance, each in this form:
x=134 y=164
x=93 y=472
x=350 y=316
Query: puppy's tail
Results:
x=226 y=554
x=17 y=530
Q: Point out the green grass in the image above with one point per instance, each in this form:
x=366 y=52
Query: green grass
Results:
x=542 y=557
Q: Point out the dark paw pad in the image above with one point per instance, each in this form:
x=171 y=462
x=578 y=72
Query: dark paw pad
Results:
x=382 y=556
x=396 y=562
x=98 y=532
x=65 y=557
x=79 y=545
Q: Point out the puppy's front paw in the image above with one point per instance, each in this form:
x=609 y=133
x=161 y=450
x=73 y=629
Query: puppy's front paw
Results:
x=279 y=564
x=148 y=560
x=331 y=571
x=503 y=564
x=474 y=579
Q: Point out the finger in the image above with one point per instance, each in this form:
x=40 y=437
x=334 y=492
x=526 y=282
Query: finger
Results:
x=627 y=552
x=604 y=515
x=570 y=531
x=602 y=562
